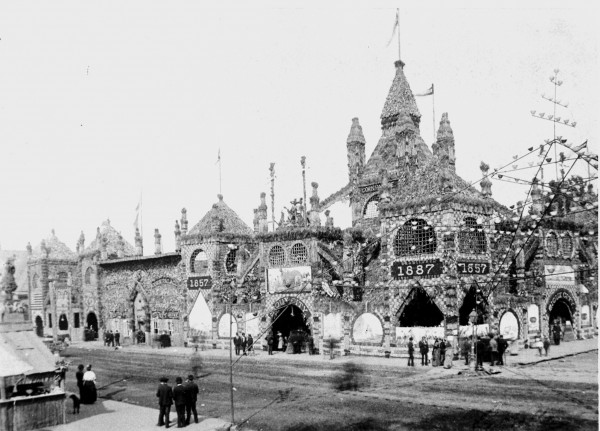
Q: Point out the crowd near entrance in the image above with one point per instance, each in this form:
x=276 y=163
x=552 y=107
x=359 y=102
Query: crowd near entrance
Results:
x=561 y=315
x=289 y=325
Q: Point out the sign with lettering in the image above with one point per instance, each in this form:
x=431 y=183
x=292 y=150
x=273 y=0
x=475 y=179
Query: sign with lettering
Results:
x=375 y=187
x=471 y=268
x=199 y=282
x=401 y=270
x=559 y=274
x=564 y=295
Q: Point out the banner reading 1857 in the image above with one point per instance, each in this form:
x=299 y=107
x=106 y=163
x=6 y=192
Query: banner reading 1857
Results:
x=472 y=267
x=416 y=269
x=201 y=282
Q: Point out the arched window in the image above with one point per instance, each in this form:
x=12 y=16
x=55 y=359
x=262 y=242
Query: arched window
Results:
x=230 y=261
x=298 y=253
x=567 y=245
x=63 y=322
x=372 y=207
x=276 y=255
x=551 y=244
x=88 y=276
x=415 y=237
x=199 y=262
x=471 y=238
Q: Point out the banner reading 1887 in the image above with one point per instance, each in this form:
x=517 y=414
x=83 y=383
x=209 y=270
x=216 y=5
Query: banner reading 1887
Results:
x=201 y=282
x=417 y=269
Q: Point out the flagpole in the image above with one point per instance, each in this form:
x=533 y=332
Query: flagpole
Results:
x=220 y=191
x=141 y=216
x=433 y=106
x=398 y=21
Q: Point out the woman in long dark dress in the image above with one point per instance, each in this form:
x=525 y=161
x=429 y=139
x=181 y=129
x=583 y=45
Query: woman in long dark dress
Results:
x=89 y=394
x=79 y=377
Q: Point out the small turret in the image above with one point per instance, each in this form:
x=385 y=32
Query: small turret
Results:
x=29 y=249
x=139 y=243
x=537 y=206
x=255 y=220
x=263 y=226
x=177 y=237
x=444 y=146
x=81 y=243
x=486 y=184
x=313 y=217
x=120 y=246
x=184 y=221
x=329 y=219
x=157 y=242
x=355 y=145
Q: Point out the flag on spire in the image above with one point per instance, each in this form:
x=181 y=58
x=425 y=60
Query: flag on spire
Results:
x=427 y=92
x=396 y=25
x=219 y=156
x=137 y=212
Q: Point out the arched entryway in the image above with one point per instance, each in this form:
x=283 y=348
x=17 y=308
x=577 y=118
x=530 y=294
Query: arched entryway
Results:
x=288 y=319
x=473 y=300
x=561 y=308
x=91 y=321
x=420 y=310
x=63 y=322
x=39 y=326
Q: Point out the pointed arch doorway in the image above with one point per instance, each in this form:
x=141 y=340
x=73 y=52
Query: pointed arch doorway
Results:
x=419 y=310
x=288 y=320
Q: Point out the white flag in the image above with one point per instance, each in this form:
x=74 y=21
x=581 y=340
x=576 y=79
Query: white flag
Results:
x=396 y=24
x=427 y=92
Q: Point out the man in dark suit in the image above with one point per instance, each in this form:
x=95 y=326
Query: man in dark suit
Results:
x=165 y=399
x=244 y=343
x=237 y=342
x=180 y=399
x=117 y=338
x=192 y=396
x=411 y=352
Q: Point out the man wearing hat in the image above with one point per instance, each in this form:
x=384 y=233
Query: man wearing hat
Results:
x=180 y=399
x=192 y=396
x=165 y=399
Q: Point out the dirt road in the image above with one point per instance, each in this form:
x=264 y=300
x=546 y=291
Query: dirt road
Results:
x=284 y=395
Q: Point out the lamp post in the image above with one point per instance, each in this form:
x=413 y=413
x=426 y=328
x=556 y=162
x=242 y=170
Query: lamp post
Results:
x=473 y=320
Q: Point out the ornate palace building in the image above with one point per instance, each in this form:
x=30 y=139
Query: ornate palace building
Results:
x=428 y=254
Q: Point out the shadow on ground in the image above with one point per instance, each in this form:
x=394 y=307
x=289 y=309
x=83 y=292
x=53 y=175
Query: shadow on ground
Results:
x=461 y=420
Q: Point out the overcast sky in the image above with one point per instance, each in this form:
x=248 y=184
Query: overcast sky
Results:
x=99 y=103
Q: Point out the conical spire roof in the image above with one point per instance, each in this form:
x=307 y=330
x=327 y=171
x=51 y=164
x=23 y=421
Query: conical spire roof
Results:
x=55 y=249
x=400 y=98
x=114 y=241
x=229 y=221
x=445 y=131
x=356 y=133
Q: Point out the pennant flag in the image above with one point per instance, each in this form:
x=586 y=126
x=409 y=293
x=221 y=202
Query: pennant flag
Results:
x=396 y=24
x=137 y=212
x=427 y=92
x=218 y=156
x=579 y=147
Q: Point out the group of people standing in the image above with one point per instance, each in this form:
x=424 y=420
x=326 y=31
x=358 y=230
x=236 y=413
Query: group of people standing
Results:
x=183 y=395
x=243 y=345
x=86 y=383
x=112 y=339
x=497 y=347
x=442 y=352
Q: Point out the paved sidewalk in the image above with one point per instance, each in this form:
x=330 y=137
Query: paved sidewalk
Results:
x=115 y=416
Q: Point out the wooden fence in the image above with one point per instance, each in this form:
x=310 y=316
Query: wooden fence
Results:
x=28 y=413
